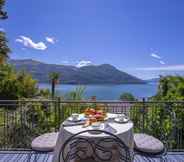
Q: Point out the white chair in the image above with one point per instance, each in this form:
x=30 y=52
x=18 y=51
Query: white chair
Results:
x=44 y=143
x=149 y=146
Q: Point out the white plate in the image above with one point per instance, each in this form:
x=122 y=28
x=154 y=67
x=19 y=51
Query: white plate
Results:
x=111 y=115
x=74 y=120
x=123 y=120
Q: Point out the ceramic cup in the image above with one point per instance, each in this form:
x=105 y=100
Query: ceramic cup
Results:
x=75 y=116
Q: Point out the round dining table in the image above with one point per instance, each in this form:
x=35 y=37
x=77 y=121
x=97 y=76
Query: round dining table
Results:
x=122 y=130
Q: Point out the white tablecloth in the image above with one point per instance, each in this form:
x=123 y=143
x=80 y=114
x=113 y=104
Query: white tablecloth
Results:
x=123 y=131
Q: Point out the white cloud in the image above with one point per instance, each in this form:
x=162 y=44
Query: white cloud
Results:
x=2 y=30
x=28 y=42
x=51 y=40
x=83 y=63
x=162 y=62
x=165 y=68
x=155 y=56
x=65 y=62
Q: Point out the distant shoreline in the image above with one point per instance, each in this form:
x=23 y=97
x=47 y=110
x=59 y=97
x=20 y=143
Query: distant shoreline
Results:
x=105 y=91
x=93 y=83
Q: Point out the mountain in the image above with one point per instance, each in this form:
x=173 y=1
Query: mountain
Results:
x=92 y=74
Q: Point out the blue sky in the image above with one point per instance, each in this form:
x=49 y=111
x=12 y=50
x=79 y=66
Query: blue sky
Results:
x=142 y=37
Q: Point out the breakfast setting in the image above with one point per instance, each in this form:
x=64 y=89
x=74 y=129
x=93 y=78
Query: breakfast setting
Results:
x=97 y=125
x=95 y=119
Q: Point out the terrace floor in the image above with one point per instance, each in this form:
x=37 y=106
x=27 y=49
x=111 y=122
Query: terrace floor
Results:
x=23 y=156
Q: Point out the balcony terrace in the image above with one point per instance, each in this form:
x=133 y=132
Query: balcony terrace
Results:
x=21 y=121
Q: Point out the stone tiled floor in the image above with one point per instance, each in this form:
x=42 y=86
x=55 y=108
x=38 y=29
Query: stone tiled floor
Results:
x=23 y=157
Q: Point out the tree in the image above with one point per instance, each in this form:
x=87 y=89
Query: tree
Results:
x=3 y=14
x=27 y=85
x=77 y=94
x=15 y=85
x=127 y=97
x=171 y=88
x=54 y=78
x=4 y=50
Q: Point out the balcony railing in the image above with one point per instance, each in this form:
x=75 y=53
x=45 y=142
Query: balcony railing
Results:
x=22 y=120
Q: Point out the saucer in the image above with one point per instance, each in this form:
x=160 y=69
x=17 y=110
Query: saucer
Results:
x=122 y=120
x=74 y=120
x=96 y=128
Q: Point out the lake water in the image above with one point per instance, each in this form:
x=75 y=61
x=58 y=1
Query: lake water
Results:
x=108 y=92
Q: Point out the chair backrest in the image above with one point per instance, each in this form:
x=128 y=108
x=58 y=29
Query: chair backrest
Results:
x=108 y=148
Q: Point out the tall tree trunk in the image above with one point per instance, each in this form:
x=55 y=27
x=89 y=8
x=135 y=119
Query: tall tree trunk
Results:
x=53 y=89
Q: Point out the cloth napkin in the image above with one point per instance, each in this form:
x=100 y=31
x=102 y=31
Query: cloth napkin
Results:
x=110 y=129
x=68 y=123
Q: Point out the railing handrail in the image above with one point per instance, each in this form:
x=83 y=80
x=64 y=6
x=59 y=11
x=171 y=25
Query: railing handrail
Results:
x=87 y=101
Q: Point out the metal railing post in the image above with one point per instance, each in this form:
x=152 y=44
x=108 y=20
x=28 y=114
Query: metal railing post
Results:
x=143 y=114
x=55 y=102
x=59 y=112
